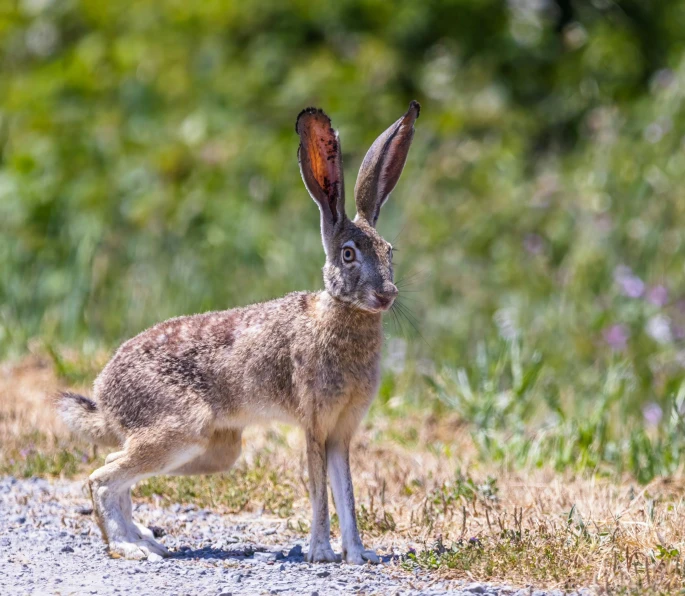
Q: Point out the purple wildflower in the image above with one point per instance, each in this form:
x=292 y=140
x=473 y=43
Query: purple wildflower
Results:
x=652 y=413
x=658 y=295
x=616 y=336
x=631 y=285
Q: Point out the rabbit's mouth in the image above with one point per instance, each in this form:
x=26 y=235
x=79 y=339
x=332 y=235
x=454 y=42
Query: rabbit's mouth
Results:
x=380 y=302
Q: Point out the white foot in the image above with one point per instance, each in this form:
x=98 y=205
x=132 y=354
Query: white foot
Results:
x=321 y=552
x=144 y=532
x=360 y=557
x=134 y=548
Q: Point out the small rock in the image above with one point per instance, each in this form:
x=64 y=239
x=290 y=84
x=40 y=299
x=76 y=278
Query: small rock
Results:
x=295 y=551
x=281 y=568
x=85 y=510
x=475 y=588
x=67 y=549
x=323 y=573
x=270 y=532
x=260 y=556
x=155 y=558
x=19 y=519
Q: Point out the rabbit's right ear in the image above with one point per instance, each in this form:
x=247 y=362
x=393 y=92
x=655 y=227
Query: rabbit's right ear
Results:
x=383 y=165
x=320 y=158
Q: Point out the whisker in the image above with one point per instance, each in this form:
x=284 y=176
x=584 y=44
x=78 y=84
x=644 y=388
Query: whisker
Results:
x=408 y=312
x=397 y=236
x=398 y=322
x=405 y=311
x=413 y=278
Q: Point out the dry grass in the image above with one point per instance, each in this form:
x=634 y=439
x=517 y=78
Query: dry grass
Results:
x=419 y=494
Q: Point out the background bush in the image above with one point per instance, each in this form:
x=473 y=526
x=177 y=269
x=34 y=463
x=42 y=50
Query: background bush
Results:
x=148 y=169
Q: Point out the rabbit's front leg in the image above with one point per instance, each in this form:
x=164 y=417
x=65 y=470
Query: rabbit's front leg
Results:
x=338 y=455
x=320 y=550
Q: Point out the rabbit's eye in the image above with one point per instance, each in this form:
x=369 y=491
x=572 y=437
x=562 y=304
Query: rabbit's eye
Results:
x=348 y=254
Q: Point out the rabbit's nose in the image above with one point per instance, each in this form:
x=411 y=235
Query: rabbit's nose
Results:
x=389 y=291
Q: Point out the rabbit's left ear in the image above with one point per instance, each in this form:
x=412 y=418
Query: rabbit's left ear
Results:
x=383 y=165
x=320 y=158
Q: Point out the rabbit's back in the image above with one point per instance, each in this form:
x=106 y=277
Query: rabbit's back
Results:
x=278 y=359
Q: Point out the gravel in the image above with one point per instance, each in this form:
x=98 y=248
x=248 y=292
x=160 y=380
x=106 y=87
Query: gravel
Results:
x=49 y=544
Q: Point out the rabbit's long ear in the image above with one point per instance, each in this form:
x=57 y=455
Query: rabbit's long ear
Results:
x=320 y=158
x=383 y=165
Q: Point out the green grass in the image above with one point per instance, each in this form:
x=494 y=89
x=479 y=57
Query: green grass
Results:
x=522 y=416
x=36 y=454
x=509 y=553
x=147 y=170
x=259 y=484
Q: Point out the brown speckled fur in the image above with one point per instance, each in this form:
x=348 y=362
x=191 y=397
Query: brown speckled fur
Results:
x=304 y=355
x=176 y=397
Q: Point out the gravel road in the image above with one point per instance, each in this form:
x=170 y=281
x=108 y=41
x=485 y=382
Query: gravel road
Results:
x=49 y=544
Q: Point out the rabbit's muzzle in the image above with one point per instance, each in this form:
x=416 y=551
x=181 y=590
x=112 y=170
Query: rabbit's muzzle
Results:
x=383 y=300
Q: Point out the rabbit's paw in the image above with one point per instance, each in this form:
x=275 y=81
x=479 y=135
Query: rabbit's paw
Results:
x=361 y=556
x=136 y=549
x=144 y=532
x=321 y=553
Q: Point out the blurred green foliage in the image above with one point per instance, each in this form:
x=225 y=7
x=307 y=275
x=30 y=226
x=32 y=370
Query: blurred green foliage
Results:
x=148 y=169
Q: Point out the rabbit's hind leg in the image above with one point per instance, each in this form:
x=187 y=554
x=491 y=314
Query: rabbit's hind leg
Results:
x=221 y=453
x=143 y=456
x=127 y=508
x=136 y=528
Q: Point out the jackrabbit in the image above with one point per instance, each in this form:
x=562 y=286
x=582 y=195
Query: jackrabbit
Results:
x=176 y=398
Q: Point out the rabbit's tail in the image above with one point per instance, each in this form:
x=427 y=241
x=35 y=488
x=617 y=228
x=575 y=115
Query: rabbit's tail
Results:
x=82 y=415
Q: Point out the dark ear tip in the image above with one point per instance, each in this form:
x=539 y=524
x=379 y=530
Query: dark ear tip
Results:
x=415 y=106
x=311 y=111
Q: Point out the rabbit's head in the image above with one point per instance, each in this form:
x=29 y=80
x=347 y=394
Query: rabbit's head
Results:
x=358 y=266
